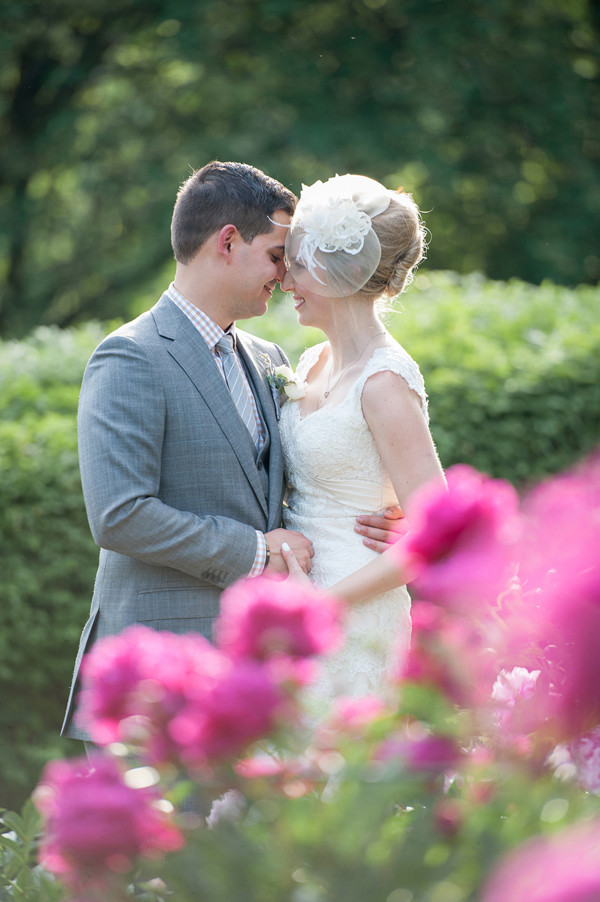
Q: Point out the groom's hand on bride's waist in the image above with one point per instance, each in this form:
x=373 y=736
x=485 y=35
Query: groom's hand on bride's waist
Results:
x=379 y=531
x=299 y=544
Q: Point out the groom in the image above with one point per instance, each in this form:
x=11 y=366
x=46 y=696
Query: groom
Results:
x=180 y=457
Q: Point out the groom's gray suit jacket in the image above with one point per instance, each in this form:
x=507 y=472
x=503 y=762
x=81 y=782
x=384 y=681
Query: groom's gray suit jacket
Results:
x=173 y=489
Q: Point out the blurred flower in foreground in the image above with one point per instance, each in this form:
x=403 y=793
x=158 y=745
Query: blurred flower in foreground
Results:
x=354 y=715
x=141 y=675
x=449 y=652
x=579 y=760
x=559 y=563
x=96 y=825
x=177 y=698
x=473 y=618
x=514 y=700
x=261 y=617
x=420 y=752
x=560 y=868
x=458 y=549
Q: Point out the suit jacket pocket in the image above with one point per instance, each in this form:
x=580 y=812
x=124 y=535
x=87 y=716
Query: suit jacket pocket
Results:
x=184 y=609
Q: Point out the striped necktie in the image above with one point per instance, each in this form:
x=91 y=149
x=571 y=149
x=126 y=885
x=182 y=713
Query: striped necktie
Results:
x=238 y=385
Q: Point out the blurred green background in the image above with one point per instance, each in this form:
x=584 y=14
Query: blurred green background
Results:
x=488 y=111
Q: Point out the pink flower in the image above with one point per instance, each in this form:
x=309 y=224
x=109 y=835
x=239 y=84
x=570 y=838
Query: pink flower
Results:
x=562 y=868
x=176 y=697
x=419 y=751
x=95 y=823
x=449 y=816
x=350 y=719
x=261 y=618
x=585 y=752
x=460 y=539
x=356 y=714
x=449 y=653
x=560 y=568
x=294 y=777
x=136 y=682
x=511 y=689
x=239 y=707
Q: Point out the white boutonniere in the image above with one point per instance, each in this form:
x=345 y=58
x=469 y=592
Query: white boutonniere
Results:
x=283 y=381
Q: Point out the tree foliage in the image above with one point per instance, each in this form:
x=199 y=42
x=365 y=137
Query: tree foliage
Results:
x=487 y=111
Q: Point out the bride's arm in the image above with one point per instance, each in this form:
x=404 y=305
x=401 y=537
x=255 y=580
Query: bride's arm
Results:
x=394 y=416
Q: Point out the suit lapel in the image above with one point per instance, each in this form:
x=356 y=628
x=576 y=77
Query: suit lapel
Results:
x=193 y=355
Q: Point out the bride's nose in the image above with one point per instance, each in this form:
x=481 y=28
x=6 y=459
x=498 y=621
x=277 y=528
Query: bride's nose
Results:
x=288 y=282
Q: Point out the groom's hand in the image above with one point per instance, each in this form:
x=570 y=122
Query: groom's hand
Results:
x=381 y=531
x=299 y=544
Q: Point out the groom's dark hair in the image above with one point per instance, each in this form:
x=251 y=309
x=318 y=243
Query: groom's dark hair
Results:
x=223 y=193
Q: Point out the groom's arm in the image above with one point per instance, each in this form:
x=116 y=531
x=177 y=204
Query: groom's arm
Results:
x=121 y=424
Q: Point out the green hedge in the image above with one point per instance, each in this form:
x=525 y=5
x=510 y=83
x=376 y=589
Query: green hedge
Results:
x=512 y=370
x=47 y=556
x=513 y=374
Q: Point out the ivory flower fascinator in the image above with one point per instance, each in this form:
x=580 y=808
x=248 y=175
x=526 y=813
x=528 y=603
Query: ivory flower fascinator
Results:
x=331 y=247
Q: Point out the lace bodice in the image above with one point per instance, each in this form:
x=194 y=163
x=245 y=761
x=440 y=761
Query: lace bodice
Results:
x=335 y=473
x=332 y=461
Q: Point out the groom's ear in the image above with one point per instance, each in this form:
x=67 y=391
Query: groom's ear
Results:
x=226 y=239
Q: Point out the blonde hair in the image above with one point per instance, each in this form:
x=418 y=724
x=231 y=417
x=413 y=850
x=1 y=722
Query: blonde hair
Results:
x=402 y=236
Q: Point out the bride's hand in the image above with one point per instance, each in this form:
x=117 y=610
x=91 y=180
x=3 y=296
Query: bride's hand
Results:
x=295 y=570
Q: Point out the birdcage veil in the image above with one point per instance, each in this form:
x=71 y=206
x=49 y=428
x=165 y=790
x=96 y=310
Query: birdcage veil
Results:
x=331 y=246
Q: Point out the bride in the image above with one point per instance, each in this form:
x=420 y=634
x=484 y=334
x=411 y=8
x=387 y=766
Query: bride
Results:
x=358 y=440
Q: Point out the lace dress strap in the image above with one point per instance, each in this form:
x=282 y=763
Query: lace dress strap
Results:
x=396 y=360
x=308 y=359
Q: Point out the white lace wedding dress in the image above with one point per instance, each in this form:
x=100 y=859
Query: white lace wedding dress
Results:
x=334 y=474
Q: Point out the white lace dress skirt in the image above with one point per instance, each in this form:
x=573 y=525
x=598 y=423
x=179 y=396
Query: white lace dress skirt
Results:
x=377 y=631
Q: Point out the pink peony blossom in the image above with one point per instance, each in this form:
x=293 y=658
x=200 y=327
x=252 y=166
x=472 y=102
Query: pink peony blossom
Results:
x=350 y=719
x=511 y=692
x=95 y=823
x=560 y=619
x=241 y=706
x=294 y=777
x=419 y=751
x=449 y=816
x=450 y=653
x=176 y=697
x=261 y=618
x=564 y=867
x=142 y=675
x=356 y=714
x=585 y=752
x=459 y=546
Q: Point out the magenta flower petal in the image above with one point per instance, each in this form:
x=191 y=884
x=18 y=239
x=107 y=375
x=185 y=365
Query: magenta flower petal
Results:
x=561 y=868
x=261 y=618
x=94 y=822
x=460 y=540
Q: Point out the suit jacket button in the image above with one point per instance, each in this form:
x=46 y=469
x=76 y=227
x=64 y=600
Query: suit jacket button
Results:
x=259 y=465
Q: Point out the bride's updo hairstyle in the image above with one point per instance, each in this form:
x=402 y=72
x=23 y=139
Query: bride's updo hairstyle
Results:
x=402 y=237
x=350 y=235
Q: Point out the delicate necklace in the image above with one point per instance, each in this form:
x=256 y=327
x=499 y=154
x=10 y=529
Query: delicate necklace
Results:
x=350 y=365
